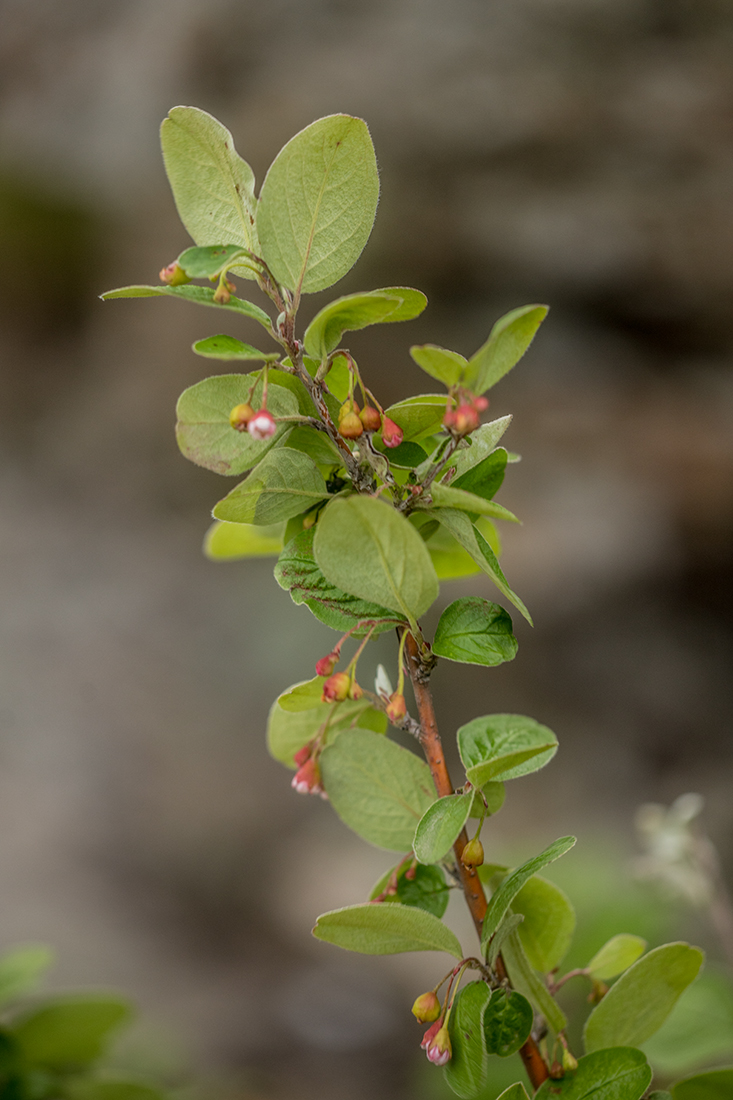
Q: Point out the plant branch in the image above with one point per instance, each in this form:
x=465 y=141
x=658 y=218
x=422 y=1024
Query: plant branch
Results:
x=472 y=889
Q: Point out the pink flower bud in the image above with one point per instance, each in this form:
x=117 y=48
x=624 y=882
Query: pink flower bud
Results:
x=303 y=754
x=326 y=665
x=307 y=779
x=173 y=275
x=392 y=434
x=240 y=416
x=439 y=1050
x=464 y=419
x=262 y=425
x=396 y=709
x=336 y=688
x=426 y=1008
x=481 y=403
x=430 y=1034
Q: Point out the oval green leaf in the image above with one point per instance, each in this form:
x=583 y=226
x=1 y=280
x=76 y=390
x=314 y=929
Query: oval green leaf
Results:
x=425 y=887
x=71 y=1032
x=282 y=485
x=446 y=496
x=349 y=314
x=717 y=1084
x=479 y=445
x=504 y=746
x=467 y=1069
x=419 y=416
x=485 y=478
x=375 y=929
x=508 y=1022
x=549 y=922
x=210 y=261
x=228 y=348
x=616 y=956
x=509 y=339
x=199 y=295
x=377 y=788
x=440 y=826
x=363 y=546
x=232 y=541
x=643 y=997
x=474 y=631
x=446 y=366
x=318 y=202
x=621 y=1073
x=526 y=980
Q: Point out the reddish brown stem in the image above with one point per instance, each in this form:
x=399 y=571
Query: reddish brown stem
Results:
x=472 y=888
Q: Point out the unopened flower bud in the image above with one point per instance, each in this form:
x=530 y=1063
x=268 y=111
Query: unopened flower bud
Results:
x=307 y=779
x=426 y=1008
x=240 y=416
x=569 y=1062
x=173 y=275
x=350 y=426
x=439 y=1049
x=326 y=665
x=262 y=425
x=556 y=1071
x=223 y=292
x=430 y=1034
x=355 y=691
x=392 y=434
x=396 y=709
x=462 y=420
x=370 y=418
x=336 y=688
x=481 y=403
x=473 y=853
x=303 y=754
x=349 y=406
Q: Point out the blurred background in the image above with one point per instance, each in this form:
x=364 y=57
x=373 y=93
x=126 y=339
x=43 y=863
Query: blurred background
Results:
x=574 y=152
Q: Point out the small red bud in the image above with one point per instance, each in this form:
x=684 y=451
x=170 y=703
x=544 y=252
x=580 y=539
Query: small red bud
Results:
x=396 y=709
x=303 y=754
x=426 y=1008
x=355 y=692
x=350 y=426
x=240 y=416
x=370 y=418
x=430 y=1034
x=173 y=275
x=223 y=292
x=326 y=665
x=481 y=403
x=336 y=688
x=439 y=1049
x=392 y=434
x=463 y=420
x=473 y=853
x=307 y=780
x=262 y=425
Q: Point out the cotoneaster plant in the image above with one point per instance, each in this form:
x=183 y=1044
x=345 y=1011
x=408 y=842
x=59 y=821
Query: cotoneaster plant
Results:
x=367 y=510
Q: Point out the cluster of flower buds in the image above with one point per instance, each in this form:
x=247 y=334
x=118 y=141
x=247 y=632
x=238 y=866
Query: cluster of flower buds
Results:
x=339 y=687
x=307 y=779
x=467 y=416
x=173 y=275
x=436 y=1044
x=396 y=708
x=473 y=853
x=260 y=424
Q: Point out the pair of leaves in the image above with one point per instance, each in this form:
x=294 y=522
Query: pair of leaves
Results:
x=643 y=997
x=482 y=1023
x=357 y=311
x=509 y=340
x=504 y=746
x=298 y=572
x=378 y=929
x=366 y=548
x=474 y=631
x=377 y=788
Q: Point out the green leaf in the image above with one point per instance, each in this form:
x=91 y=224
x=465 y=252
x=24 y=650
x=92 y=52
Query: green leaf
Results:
x=643 y=997
x=484 y=479
x=377 y=788
x=660 y=1094
x=526 y=980
x=303 y=696
x=510 y=887
x=230 y=541
x=210 y=261
x=316 y=445
x=471 y=539
x=425 y=890
x=212 y=186
x=450 y=559
x=616 y=956
x=508 y=1022
x=440 y=826
x=283 y=484
x=419 y=416
x=318 y=202
x=478 y=446
x=716 y=1084
x=296 y=571
x=514 y=1092
x=375 y=929
x=289 y=731
x=508 y=927
x=446 y=366
x=618 y=1074
x=70 y=1032
x=698 y=1031
x=405 y=457
x=510 y=337
x=110 y=1089
x=366 y=548
x=476 y=632
x=504 y=746
x=21 y=969
x=549 y=922
x=204 y=433
x=199 y=295
x=357 y=311
x=446 y=496
x=494 y=793
x=467 y=1069
x=227 y=348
